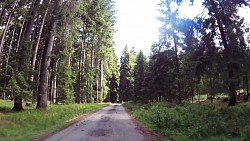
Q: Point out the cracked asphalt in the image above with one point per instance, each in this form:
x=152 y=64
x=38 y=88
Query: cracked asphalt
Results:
x=111 y=123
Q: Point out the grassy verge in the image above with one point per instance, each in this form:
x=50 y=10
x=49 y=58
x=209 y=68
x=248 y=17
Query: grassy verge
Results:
x=194 y=121
x=31 y=123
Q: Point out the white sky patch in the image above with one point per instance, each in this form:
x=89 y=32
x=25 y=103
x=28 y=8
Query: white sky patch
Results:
x=190 y=11
x=137 y=24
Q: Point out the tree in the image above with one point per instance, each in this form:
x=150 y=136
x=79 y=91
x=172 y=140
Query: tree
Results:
x=67 y=61
x=169 y=35
x=126 y=75
x=223 y=15
x=162 y=77
x=46 y=58
x=139 y=76
x=113 y=89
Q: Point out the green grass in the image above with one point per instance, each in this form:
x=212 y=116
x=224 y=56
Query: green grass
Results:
x=32 y=123
x=194 y=121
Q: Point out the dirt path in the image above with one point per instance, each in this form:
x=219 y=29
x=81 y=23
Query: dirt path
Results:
x=111 y=123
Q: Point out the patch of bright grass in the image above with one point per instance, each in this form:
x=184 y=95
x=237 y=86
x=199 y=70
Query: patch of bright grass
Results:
x=194 y=121
x=31 y=123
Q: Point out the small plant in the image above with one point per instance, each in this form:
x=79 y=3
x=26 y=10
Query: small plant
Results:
x=194 y=121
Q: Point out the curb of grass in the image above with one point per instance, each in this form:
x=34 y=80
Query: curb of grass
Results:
x=150 y=134
x=70 y=123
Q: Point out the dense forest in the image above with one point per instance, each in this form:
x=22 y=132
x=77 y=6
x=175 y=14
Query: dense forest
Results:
x=57 y=50
x=207 y=55
x=62 y=51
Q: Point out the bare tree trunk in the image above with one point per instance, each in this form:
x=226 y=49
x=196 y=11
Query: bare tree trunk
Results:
x=45 y=62
x=19 y=37
x=3 y=37
x=101 y=78
x=22 y=66
x=247 y=85
x=211 y=85
x=38 y=39
x=91 y=68
x=28 y=32
x=177 y=67
x=80 y=73
x=7 y=61
x=54 y=84
x=232 y=93
x=5 y=30
x=97 y=88
x=83 y=71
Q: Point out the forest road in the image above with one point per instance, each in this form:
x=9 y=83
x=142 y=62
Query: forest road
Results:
x=111 y=123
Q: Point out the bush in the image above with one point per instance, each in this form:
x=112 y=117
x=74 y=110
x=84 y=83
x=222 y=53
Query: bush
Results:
x=195 y=121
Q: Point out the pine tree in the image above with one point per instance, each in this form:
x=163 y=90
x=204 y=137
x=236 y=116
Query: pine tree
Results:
x=139 y=76
x=126 y=75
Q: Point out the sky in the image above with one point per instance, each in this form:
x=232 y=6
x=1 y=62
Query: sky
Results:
x=137 y=25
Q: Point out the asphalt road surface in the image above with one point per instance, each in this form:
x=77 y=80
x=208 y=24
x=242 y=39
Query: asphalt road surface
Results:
x=111 y=123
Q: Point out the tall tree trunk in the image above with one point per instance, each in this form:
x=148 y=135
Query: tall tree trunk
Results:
x=211 y=85
x=83 y=71
x=97 y=87
x=91 y=70
x=7 y=61
x=54 y=83
x=232 y=91
x=27 y=33
x=247 y=86
x=177 y=67
x=3 y=36
x=101 y=78
x=45 y=62
x=80 y=74
x=5 y=30
x=22 y=66
x=38 y=39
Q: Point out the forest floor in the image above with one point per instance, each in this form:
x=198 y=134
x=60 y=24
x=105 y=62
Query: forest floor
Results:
x=33 y=123
x=196 y=122
x=111 y=123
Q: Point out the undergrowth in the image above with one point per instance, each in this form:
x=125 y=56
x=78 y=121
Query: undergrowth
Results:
x=31 y=123
x=194 y=121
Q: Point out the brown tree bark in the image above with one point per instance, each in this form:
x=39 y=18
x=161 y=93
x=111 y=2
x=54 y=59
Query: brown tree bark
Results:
x=45 y=62
x=39 y=38
x=177 y=68
x=230 y=66
x=22 y=66
x=6 y=29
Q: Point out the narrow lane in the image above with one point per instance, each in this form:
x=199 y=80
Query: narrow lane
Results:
x=111 y=123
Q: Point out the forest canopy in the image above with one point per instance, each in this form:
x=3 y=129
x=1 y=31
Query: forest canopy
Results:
x=62 y=51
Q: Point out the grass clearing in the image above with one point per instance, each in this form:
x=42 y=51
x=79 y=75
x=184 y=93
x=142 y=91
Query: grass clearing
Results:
x=195 y=122
x=32 y=123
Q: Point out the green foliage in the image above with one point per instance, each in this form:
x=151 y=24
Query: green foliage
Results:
x=82 y=42
x=113 y=89
x=127 y=61
x=30 y=125
x=160 y=77
x=194 y=121
x=139 y=76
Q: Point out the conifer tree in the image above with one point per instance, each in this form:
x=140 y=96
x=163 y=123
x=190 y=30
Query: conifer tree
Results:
x=139 y=76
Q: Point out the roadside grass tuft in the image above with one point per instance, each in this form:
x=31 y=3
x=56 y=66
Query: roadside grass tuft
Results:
x=195 y=122
x=32 y=123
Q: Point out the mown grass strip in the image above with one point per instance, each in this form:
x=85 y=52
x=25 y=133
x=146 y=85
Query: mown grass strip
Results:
x=32 y=123
x=194 y=121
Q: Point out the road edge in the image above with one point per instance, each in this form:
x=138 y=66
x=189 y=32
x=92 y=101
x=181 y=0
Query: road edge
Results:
x=78 y=119
x=149 y=134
